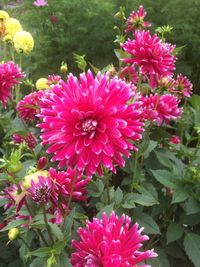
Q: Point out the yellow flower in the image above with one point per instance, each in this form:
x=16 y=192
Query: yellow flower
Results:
x=13 y=233
x=3 y=15
x=12 y=26
x=41 y=84
x=23 y=42
x=34 y=177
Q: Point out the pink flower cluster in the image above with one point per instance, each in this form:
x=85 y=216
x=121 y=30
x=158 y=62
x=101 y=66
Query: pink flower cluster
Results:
x=110 y=242
x=10 y=74
x=29 y=140
x=88 y=123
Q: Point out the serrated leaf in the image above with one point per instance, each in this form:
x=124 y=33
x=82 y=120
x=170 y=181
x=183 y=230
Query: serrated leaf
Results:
x=192 y=248
x=118 y=196
x=129 y=201
x=149 y=224
x=150 y=148
x=192 y=206
x=165 y=178
x=107 y=209
x=174 y=232
x=95 y=189
x=145 y=198
x=56 y=231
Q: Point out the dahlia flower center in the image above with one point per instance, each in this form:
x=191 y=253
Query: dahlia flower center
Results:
x=89 y=126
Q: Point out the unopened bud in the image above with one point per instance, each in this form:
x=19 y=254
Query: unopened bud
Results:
x=42 y=162
x=13 y=234
x=63 y=68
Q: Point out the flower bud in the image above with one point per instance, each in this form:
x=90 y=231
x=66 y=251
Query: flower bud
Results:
x=42 y=162
x=13 y=234
x=63 y=68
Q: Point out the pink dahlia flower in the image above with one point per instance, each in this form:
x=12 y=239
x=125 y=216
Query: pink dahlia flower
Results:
x=175 y=139
x=40 y=3
x=28 y=107
x=161 y=108
x=42 y=190
x=68 y=182
x=154 y=57
x=10 y=74
x=110 y=242
x=136 y=20
x=89 y=123
x=54 y=79
x=183 y=86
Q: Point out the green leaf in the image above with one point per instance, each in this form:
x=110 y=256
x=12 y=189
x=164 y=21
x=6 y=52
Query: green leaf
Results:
x=118 y=196
x=95 y=189
x=69 y=223
x=56 y=231
x=192 y=248
x=165 y=178
x=195 y=101
x=145 y=198
x=107 y=209
x=59 y=247
x=179 y=195
x=38 y=262
x=41 y=252
x=150 y=226
x=192 y=206
x=13 y=224
x=174 y=232
x=120 y=54
x=128 y=201
x=150 y=148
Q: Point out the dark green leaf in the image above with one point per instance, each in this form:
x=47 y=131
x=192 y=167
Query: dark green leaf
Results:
x=149 y=224
x=192 y=248
x=174 y=232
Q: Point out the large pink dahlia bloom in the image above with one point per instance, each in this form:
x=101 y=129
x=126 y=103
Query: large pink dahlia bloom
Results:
x=153 y=56
x=10 y=74
x=28 y=107
x=88 y=123
x=110 y=242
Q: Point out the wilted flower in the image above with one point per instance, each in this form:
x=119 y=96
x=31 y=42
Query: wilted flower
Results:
x=29 y=140
x=40 y=3
x=89 y=123
x=136 y=20
x=10 y=74
x=129 y=73
x=12 y=26
x=175 y=139
x=28 y=107
x=42 y=84
x=23 y=42
x=110 y=242
x=154 y=57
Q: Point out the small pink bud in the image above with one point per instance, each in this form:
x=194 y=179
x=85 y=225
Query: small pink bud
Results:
x=42 y=162
x=175 y=139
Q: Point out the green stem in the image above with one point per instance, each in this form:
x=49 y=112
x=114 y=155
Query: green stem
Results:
x=40 y=235
x=69 y=201
x=107 y=187
x=47 y=225
x=135 y=168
